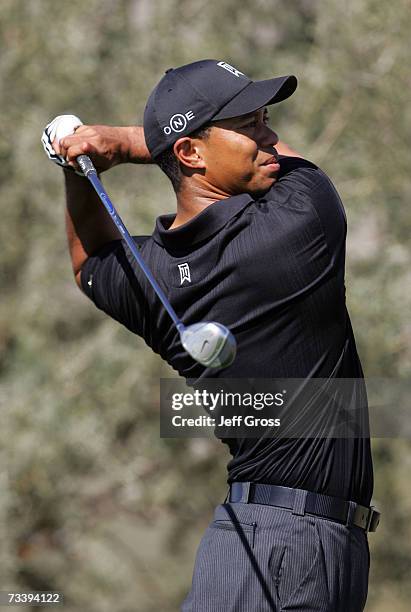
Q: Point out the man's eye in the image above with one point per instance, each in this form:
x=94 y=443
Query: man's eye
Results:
x=254 y=123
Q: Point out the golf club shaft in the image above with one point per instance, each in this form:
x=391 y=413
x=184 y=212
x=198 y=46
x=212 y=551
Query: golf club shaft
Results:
x=90 y=172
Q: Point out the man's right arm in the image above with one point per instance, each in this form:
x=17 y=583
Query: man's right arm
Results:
x=88 y=224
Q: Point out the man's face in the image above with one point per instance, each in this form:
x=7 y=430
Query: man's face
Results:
x=239 y=154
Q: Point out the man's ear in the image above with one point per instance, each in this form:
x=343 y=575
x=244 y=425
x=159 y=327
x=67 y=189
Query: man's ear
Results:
x=189 y=152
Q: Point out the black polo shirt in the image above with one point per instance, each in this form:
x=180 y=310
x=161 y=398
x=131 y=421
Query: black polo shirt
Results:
x=272 y=270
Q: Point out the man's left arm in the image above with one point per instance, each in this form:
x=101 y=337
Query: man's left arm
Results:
x=285 y=150
x=107 y=146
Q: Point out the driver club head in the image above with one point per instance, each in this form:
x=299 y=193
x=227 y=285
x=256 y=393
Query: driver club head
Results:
x=209 y=343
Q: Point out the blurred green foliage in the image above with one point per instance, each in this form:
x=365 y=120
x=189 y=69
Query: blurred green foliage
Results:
x=93 y=502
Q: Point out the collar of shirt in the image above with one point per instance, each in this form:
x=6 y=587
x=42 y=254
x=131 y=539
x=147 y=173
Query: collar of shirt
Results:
x=207 y=223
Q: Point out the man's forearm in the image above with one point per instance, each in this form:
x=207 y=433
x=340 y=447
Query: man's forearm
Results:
x=137 y=151
x=88 y=224
x=283 y=149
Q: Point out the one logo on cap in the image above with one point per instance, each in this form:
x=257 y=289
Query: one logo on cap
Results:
x=231 y=69
x=178 y=122
x=184 y=273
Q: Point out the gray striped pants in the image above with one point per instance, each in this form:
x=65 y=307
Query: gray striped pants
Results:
x=256 y=558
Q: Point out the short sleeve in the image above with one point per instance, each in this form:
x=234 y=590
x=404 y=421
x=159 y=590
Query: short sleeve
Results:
x=297 y=172
x=110 y=281
x=304 y=182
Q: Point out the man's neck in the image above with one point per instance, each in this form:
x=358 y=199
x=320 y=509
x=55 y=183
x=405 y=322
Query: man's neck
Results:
x=193 y=199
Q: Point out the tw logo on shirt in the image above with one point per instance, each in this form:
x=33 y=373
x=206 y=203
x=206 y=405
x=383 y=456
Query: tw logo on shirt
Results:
x=185 y=275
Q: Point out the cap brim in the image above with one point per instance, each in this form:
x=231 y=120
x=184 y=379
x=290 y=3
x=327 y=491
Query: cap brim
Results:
x=256 y=95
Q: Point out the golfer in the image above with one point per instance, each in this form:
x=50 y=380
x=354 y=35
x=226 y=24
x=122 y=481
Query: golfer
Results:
x=257 y=243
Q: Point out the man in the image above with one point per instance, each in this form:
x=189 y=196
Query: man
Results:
x=262 y=233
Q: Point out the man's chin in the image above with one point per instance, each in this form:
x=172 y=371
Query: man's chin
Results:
x=258 y=192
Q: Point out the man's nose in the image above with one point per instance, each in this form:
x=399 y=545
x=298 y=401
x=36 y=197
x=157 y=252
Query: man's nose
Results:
x=267 y=137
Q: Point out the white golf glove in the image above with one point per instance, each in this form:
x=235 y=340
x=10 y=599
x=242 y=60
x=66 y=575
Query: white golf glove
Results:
x=61 y=126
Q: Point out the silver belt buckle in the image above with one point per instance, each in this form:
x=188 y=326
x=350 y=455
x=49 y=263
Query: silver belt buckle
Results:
x=373 y=519
x=366 y=518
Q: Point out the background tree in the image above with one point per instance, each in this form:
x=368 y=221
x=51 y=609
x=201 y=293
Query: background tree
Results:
x=93 y=502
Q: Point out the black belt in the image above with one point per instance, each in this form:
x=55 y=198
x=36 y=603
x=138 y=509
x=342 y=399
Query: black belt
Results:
x=305 y=502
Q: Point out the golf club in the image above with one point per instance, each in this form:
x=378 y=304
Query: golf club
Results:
x=209 y=343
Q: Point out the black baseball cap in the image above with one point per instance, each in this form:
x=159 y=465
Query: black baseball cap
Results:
x=188 y=97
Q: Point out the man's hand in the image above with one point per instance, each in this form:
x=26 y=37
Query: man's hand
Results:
x=106 y=146
x=65 y=138
x=61 y=126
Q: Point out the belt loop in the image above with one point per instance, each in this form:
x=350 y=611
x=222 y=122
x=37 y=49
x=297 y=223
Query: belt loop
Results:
x=352 y=506
x=245 y=492
x=300 y=498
